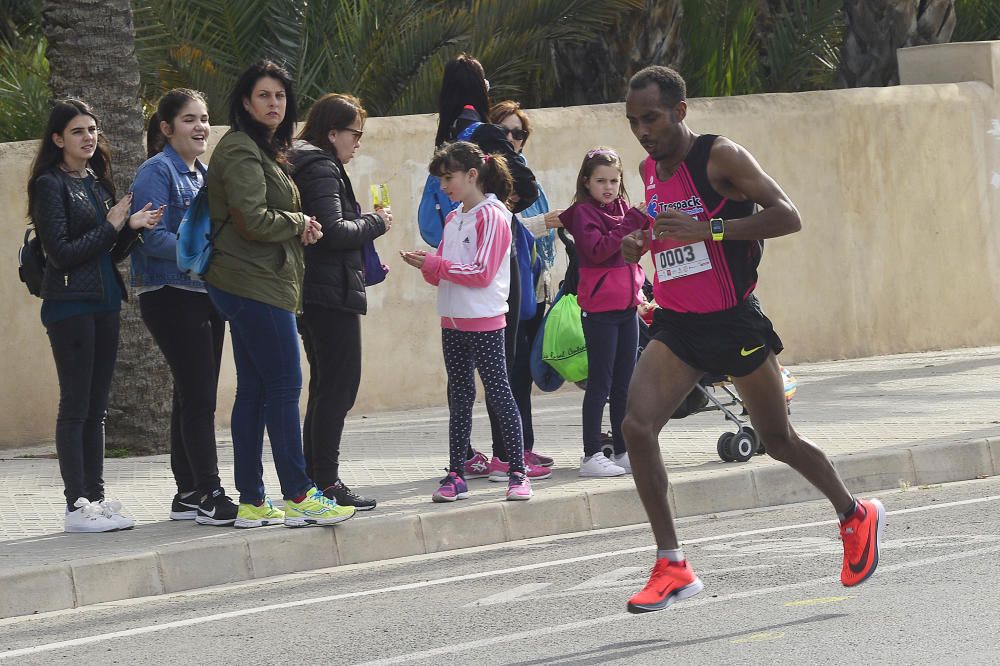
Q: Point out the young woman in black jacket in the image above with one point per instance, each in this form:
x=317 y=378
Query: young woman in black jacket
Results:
x=71 y=201
x=333 y=291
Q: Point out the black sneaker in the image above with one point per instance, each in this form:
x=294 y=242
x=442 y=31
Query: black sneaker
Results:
x=344 y=496
x=184 y=508
x=216 y=509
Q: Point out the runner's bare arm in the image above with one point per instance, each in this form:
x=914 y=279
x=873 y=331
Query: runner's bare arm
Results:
x=735 y=173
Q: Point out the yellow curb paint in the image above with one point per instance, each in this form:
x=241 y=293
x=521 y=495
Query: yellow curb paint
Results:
x=760 y=638
x=816 y=602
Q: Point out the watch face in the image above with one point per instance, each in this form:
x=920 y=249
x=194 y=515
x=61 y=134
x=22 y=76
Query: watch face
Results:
x=716 y=225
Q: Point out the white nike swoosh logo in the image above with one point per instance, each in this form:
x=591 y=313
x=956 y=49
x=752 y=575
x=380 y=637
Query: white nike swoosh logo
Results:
x=210 y=514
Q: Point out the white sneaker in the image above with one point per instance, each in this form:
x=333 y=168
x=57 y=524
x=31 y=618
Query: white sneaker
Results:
x=599 y=465
x=622 y=461
x=112 y=510
x=89 y=517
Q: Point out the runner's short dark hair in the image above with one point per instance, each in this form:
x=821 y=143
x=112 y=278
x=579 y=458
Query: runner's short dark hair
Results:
x=671 y=84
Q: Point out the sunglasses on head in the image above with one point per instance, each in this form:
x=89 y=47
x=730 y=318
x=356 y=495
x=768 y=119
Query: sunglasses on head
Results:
x=517 y=134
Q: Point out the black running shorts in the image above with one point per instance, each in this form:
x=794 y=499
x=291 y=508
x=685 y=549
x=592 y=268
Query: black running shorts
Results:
x=732 y=342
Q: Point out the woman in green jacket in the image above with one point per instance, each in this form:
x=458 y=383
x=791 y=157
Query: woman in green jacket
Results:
x=255 y=281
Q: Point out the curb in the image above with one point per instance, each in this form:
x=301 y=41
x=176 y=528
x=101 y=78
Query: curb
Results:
x=260 y=554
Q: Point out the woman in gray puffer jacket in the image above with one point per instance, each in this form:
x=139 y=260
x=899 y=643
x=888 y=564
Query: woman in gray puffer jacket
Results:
x=333 y=292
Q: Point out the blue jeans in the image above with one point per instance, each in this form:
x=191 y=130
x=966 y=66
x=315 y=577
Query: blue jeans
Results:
x=268 y=385
x=612 y=344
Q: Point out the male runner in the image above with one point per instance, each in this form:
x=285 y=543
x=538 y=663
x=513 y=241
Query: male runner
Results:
x=706 y=242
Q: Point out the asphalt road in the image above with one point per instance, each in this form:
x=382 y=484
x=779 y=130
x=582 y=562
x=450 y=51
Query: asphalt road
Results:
x=772 y=595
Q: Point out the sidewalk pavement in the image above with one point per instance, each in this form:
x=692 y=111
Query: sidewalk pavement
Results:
x=886 y=421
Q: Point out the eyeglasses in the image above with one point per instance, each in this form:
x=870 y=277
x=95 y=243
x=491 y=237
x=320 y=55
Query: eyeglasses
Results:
x=517 y=134
x=357 y=133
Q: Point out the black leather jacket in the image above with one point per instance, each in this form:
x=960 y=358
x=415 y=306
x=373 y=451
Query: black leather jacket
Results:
x=333 y=277
x=74 y=235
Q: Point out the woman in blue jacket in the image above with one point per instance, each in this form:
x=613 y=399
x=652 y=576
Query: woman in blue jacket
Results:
x=176 y=308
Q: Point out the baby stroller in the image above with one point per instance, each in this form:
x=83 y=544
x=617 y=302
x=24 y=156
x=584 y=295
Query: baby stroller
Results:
x=712 y=393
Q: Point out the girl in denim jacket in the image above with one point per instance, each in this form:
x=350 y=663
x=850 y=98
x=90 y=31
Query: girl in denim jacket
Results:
x=176 y=308
x=608 y=295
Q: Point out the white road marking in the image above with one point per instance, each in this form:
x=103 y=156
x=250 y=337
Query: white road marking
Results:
x=611 y=578
x=137 y=631
x=803 y=547
x=623 y=584
x=682 y=606
x=508 y=595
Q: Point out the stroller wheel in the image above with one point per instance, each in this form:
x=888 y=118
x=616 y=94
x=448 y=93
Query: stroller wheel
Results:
x=722 y=447
x=743 y=445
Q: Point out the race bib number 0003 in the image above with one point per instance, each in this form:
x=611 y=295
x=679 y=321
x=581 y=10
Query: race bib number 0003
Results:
x=682 y=261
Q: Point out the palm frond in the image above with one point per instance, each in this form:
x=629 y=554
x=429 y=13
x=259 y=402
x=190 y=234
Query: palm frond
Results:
x=24 y=91
x=802 y=45
x=722 y=49
x=976 y=21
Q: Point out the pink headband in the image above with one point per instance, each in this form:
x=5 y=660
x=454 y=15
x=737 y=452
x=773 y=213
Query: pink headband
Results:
x=602 y=151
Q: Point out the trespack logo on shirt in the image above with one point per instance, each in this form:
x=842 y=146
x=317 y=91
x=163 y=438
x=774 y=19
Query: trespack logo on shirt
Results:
x=691 y=206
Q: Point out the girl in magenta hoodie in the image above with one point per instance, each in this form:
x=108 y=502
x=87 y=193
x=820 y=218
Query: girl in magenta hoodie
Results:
x=471 y=270
x=608 y=295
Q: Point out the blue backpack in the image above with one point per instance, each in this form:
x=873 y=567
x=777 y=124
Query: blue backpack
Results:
x=195 y=240
x=434 y=205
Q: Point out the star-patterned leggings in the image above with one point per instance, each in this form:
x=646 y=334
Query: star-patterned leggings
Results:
x=464 y=353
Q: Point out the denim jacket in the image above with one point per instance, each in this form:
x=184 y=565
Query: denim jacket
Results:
x=163 y=179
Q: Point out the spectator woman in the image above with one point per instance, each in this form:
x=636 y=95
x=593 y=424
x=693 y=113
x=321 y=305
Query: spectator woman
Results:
x=333 y=294
x=255 y=282
x=84 y=232
x=542 y=224
x=176 y=308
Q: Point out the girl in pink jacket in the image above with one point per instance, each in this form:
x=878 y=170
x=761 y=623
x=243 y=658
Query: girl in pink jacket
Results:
x=608 y=294
x=471 y=270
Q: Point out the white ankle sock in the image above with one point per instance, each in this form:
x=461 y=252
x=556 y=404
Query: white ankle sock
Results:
x=676 y=555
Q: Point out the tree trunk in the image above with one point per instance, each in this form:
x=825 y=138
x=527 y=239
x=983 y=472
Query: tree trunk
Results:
x=91 y=52
x=599 y=72
x=876 y=28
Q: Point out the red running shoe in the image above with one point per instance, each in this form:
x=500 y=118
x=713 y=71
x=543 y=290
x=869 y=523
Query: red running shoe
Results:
x=862 y=536
x=668 y=582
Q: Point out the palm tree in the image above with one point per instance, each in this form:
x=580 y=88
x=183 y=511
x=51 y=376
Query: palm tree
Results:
x=977 y=20
x=597 y=72
x=24 y=70
x=735 y=47
x=391 y=53
x=876 y=28
x=800 y=44
x=91 y=55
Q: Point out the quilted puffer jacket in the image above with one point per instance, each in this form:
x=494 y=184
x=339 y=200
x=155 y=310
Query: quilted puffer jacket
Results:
x=74 y=235
x=333 y=276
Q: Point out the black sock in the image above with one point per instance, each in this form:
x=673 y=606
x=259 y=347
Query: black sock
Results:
x=850 y=512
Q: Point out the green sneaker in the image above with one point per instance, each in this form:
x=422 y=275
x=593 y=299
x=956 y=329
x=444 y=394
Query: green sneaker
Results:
x=249 y=515
x=316 y=509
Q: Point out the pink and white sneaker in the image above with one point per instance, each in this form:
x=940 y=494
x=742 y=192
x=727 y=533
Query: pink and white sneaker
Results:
x=499 y=470
x=477 y=467
x=452 y=488
x=532 y=458
x=518 y=488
